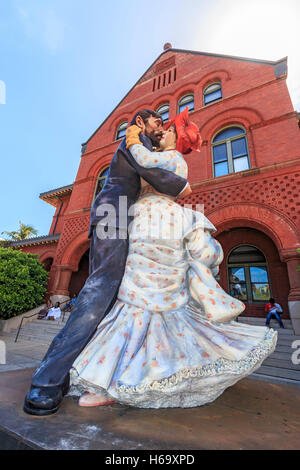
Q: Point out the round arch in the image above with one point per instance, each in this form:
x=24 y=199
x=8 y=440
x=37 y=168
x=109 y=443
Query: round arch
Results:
x=75 y=250
x=244 y=116
x=275 y=225
x=117 y=121
x=99 y=165
x=220 y=75
x=47 y=254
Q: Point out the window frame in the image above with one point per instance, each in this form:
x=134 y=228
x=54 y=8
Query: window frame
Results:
x=247 y=281
x=161 y=106
x=205 y=94
x=186 y=104
x=118 y=130
x=230 y=158
x=106 y=167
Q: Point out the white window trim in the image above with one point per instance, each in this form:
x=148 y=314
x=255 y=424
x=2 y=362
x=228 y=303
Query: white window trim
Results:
x=99 y=178
x=182 y=98
x=162 y=106
x=118 y=129
x=217 y=99
x=228 y=147
x=247 y=274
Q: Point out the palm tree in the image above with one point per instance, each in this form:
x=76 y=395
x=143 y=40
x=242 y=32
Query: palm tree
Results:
x=25 y=231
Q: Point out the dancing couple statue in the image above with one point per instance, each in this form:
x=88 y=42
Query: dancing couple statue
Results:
x=152 y=327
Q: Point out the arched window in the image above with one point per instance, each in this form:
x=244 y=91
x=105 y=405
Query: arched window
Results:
x=164 y=112
x=212 y=93
x=230 y=151
x=185 y=101
x=121 y=130
x=101 y=180
x=248 y=274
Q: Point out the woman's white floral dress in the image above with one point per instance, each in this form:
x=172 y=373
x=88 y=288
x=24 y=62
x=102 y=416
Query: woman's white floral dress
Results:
x=170 y=340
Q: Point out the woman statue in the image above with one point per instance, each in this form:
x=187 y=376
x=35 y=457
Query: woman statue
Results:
x=170 y=340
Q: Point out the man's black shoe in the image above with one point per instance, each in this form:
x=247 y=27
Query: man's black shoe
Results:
x=42 y=401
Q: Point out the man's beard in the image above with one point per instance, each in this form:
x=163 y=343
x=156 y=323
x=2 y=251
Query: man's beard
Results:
x=155 y=138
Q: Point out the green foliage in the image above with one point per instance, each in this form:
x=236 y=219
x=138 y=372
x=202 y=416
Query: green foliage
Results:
x=4 y=243
x=25 y=231
x=23 y=282
x=298 y=269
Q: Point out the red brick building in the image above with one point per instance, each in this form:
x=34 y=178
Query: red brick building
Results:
x=247 y=174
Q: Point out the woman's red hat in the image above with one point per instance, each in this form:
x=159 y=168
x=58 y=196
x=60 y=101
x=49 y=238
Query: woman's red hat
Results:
x=188 y=135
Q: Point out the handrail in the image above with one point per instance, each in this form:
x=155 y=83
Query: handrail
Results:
x=20 y=326
x=64 y=312
x=30 y=316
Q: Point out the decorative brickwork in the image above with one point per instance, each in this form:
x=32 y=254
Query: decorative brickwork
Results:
x=72 y=228
x=282 y=193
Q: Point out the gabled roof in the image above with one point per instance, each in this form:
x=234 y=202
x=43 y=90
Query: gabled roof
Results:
x=46 y=239
x=280 y=68
x=50 y=196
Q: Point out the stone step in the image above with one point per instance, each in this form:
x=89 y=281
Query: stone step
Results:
x=287 y=336
x=287 y=341
x=284 y=332
x=262 y=321
x=281 y=363
x=275 y=380
x=40 y=330
x=282 y=355
x=279 y=372
x=44 y=328
x=278 y=365
x=46 y=339
x=48 y=322
x=281 y=331
x=284 y=348
x=33 y=332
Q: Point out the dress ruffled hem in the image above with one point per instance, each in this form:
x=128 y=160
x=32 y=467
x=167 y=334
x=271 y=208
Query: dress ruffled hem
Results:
x=189 y=386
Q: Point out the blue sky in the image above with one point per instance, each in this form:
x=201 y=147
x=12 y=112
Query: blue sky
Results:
x=67 y=63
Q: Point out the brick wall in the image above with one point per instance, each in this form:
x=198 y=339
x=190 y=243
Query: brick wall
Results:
x=255 y=96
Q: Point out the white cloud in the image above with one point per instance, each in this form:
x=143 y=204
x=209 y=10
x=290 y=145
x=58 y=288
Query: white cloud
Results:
x=258 y=29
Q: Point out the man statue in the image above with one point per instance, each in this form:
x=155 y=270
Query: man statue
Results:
x=50 y=382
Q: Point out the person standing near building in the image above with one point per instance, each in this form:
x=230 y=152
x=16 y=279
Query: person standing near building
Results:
x=272 y=308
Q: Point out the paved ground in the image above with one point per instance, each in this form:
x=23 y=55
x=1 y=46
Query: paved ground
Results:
x=250 y=415
x=22 y=354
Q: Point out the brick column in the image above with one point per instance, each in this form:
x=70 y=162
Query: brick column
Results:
x=60 y=290
x=292 y=258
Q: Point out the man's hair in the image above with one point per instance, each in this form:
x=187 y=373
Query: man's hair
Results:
x=145 y=114
x=272 y=300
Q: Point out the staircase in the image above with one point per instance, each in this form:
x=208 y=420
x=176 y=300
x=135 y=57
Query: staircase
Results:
x=278 y=367
x=41 y=331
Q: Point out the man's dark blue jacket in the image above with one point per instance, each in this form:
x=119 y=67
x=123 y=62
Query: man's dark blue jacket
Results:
x=124 y=180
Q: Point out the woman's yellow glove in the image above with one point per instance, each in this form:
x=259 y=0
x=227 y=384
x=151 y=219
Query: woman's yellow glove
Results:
x=132 y=136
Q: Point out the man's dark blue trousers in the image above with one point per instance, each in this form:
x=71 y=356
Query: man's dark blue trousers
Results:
x=98 y=295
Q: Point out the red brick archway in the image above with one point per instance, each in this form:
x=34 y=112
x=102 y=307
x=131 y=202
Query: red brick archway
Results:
x=233 y=237
x=279 y=228
x=79 y=277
